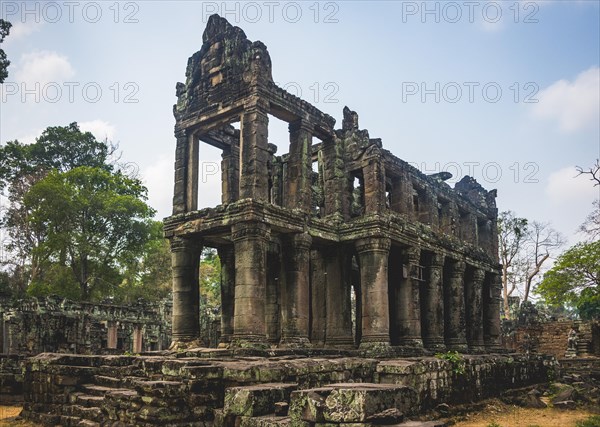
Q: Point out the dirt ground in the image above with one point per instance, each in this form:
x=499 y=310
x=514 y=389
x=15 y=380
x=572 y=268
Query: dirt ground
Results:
x=513 y=416
x=495 y=411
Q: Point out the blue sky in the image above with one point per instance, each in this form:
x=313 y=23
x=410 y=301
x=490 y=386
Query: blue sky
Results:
x=446 y=85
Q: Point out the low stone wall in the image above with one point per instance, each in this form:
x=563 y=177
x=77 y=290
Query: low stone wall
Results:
x=53 y=324
x=190 y=390
x=552 y=338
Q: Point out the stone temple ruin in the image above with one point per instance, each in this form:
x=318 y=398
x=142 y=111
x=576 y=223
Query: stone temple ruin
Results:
x=343 y=270
x=337 y=219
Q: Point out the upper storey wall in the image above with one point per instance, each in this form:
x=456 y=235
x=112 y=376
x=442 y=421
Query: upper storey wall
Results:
x=345 y=176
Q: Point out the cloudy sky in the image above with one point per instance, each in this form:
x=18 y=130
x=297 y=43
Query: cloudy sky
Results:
x=507 y=92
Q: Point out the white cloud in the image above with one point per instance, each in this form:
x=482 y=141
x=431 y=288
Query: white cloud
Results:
x=565 y=188
x=570 y=200
x=575 y=105
x=20 y=30
x=43 y=67
x=99 y=128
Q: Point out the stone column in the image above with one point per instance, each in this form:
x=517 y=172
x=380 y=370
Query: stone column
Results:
x=297 y=303
x=254 y=155
x=193 y=161
x=299 y=169
x=179 y=190
x=374 y=182
x=432 y=320
x=274 y=292
x=468 y=228
x=431 y=208
x=408 y=304
x=492 y=304
x=318 y=297
x=456 y=338
x=474 y=310
x=250 y=243
x=185 y=264
x=374 y=253
x=227 y=258
x=338 y=271
x=333 y=179
x=230 y=174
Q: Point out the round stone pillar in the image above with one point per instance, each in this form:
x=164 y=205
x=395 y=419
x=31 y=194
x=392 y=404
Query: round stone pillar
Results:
x=226 y=256
x=409 y=306
x=250 y=245
x=456 y=338
x=185 y=264
x=474 y=310
x=432 y=321
x=373 y=253
x=297 y=294
x=492 y=304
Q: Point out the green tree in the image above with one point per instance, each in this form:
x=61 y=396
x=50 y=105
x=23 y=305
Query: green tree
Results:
x=575 y=279
x=149 y=275
x=60 y=148
x=210 y=279
x=94 y=222
x=4 y=62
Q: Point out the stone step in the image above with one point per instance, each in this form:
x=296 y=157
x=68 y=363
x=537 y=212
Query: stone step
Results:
x=160 y=388
x=83 y=412
x=100 y=390
x=353 y=403
x=107 y=381
x=256 y=400
x=89 y=400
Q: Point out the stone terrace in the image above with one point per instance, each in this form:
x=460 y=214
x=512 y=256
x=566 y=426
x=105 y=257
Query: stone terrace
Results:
x=216 y=387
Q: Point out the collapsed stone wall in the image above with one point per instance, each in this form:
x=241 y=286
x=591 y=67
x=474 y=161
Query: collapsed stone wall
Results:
x=198 y=387
x=53 y=324
x=552 y=338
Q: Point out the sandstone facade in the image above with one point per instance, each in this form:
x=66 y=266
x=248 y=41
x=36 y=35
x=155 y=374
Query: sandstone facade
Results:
x=335 y=233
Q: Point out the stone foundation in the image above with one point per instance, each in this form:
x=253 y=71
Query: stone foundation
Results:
x=200 y=387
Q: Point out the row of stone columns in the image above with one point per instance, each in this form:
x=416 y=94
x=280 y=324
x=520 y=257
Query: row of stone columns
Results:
x=447 y=305
x=449 y=308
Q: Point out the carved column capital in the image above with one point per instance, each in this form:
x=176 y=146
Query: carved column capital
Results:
x=302 y=241
x=437 y=260
x=301 y=124
x=458 y=269
x=181 y=133
x=413 y=255
x=478 y=276
x=181 y=244
x=251 y=230
x=373 y=244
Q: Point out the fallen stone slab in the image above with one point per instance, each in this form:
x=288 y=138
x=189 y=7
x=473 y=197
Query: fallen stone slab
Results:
x=354 y=403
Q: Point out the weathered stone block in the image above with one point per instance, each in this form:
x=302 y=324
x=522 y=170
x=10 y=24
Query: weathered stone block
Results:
x=354 y=402
x=256 y=400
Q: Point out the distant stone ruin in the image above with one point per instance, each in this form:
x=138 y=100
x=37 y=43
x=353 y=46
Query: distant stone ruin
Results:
x=336 y=232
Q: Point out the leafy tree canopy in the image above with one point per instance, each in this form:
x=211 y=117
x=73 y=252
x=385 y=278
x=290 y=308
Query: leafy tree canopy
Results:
x=4 y=62
x=575 y=280
x=94 y=220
